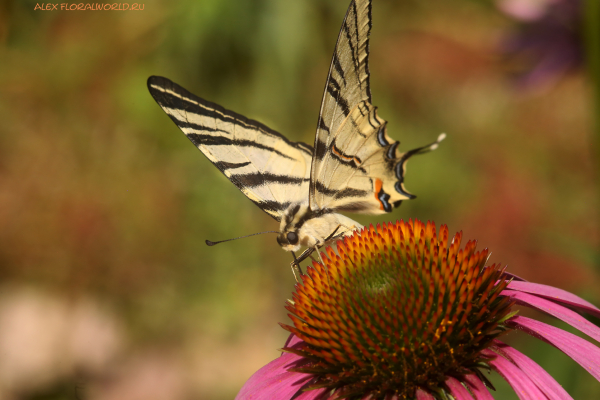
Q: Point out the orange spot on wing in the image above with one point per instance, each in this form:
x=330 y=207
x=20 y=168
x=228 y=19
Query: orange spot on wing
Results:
x=378 y=185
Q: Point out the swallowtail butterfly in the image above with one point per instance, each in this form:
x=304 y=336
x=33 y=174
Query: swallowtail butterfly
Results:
x=354 y=165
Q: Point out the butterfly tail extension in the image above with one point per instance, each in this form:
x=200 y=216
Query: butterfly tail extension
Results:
x=401 y=165
x=426 y=148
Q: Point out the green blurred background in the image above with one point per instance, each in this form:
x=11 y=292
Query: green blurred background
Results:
x=107 y=290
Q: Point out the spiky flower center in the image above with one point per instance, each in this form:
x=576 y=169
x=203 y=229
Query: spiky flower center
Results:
x=397 y=309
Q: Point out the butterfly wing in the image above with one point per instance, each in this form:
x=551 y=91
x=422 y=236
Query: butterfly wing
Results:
x=356 y=166
x=270 y=170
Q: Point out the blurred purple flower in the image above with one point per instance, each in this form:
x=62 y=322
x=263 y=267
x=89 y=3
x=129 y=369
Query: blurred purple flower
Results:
x=548 y=42
x=402 y=313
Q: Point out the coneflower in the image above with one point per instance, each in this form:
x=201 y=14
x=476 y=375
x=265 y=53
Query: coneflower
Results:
x=401 y=312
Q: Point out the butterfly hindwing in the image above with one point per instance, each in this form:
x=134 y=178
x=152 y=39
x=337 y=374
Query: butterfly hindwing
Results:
x=270 y=170
x=357 y=167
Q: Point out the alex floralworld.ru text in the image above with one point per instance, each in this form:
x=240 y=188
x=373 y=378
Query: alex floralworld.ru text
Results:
x=88 y=6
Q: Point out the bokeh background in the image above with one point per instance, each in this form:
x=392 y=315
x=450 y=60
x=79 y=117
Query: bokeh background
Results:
x=107 y=290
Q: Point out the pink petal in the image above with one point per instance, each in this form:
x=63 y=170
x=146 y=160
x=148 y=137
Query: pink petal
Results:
x=537 y=374
x=507 y=275
x=423 y=395
x=555 y=294
x=520 y=382
x=458 y=391
x=274 y=381
x=580 y=350
x=570 y=317
x=292 y=340
x=477 y=387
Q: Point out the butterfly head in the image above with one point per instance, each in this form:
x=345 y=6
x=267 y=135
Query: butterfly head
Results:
x=291 y=237
x=290 y=241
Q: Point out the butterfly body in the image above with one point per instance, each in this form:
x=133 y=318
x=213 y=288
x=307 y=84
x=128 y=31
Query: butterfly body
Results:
x=310 y=228
x=354 y=166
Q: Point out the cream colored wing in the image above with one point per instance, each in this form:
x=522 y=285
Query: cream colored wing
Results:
x=362 y=169
x=356 y=166
x=270 y=170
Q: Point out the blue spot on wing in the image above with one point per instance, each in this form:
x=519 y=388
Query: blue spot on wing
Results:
x=381 y=137
x=384 y=199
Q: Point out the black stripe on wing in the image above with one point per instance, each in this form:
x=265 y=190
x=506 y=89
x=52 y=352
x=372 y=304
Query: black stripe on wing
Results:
x=261 y=178
x=338 y=194
x=189 y=102
x=334 y=89
x=323 y=126
x=320 y=149
x=209 y=140
x=223 y=166
x=273 y=208
x=338 y=67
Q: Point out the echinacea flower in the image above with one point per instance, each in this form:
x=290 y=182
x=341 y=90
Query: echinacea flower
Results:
x=548 y=41
x=401 y=312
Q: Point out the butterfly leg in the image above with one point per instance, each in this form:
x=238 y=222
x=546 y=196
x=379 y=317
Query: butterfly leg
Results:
x=319 y=254
x=296 y=263
x=296 y=269
x=316 y=248
x=332 y=235
x=328 y=238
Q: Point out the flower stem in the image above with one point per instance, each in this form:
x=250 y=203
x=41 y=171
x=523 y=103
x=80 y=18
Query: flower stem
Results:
x=591 y=16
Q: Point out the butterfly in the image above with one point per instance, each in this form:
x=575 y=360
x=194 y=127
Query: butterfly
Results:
x=354 y=166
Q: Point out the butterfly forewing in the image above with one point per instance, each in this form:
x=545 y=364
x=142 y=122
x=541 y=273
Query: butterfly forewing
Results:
x=347 y=85
x=270 y=170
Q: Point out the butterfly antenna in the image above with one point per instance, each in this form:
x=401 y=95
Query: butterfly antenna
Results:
x=211 y=243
